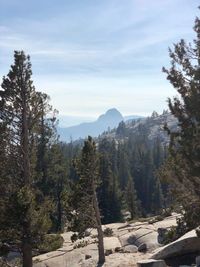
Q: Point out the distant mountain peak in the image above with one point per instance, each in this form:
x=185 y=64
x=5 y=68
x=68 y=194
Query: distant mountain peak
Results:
x=111 y=113
x=110 y=119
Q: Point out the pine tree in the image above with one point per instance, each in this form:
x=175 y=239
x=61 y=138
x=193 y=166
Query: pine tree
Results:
x=182 y=169
x=121 y=129
x=85 y=202
x=131 y=198
x=57 y=184
x=123 y=166
x=184 y=75
x=47 y=136
x=157 y=198
x=24 y=220
x=109 y=194
x=158 y=153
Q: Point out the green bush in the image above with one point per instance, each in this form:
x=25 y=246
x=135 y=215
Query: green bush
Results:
x=50 y=242
x=74 y=237
x=158 y=218
x=166 y=212
x=191 y=214
x=108 y=232
x=189 y=220
x=170 y=236
x=81 y=244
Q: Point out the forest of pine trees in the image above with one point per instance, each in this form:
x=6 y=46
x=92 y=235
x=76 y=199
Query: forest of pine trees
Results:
x=47 y=185
x=132 y=162
x=40 y=176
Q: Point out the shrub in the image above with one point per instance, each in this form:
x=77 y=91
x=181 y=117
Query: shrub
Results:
x=166 y=212
x=189 y=220
x=81 y=244
x=191 y=214
x=50 y=242
x=158 y=218
x=108 y=232
x=170 y=236
x=74 y=237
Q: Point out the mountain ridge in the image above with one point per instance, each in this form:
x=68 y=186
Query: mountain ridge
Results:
x=153 y=126
x=109 y=120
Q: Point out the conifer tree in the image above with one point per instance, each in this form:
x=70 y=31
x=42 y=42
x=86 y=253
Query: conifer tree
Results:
x=85 y=201
x=157 y=198
x=131 y=198
x=123 y=166
x=182 y=168
x=24 y=220
x=158 y=153
x=184 y=75
x=57 y=184
x=109 y=195
x=47 y=136
x=121 y=129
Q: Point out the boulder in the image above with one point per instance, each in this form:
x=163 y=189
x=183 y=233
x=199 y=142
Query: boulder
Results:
x=67 y=259
x=142 y=247
x=188 y=243
x=151 y=263
x=127 y=239
x=148 y=236
x=111 y=243
x=130 y=249
x=167 y=222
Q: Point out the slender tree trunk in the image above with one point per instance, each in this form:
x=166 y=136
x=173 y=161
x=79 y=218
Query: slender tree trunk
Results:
x=59 y=210
x=26 y=240
x=27 y=253
x=99 y=228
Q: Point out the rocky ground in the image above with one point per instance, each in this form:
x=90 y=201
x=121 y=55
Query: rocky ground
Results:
x=129 y=243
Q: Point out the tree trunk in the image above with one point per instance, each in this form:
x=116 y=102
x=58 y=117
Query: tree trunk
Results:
x=26 y=245
x=99 y=229
x=100 y=244
x=26 y=172
x=27 y=253
x=59 y=211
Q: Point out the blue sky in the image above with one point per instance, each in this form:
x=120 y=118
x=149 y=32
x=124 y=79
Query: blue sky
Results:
x=92 y=55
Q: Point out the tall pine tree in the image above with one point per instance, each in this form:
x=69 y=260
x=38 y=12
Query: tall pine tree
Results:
x=184 y=75
x=182 y=169
x=85 y=201
x=24 y=218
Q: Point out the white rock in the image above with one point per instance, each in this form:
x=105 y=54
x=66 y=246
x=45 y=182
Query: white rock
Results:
x=130 y=249
x=111 y=242
x=189 y=243
x=149 y=236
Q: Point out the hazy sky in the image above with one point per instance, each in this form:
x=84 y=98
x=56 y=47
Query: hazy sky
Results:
x=92 y=55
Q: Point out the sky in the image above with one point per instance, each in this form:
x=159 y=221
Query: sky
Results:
x=92 y=55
